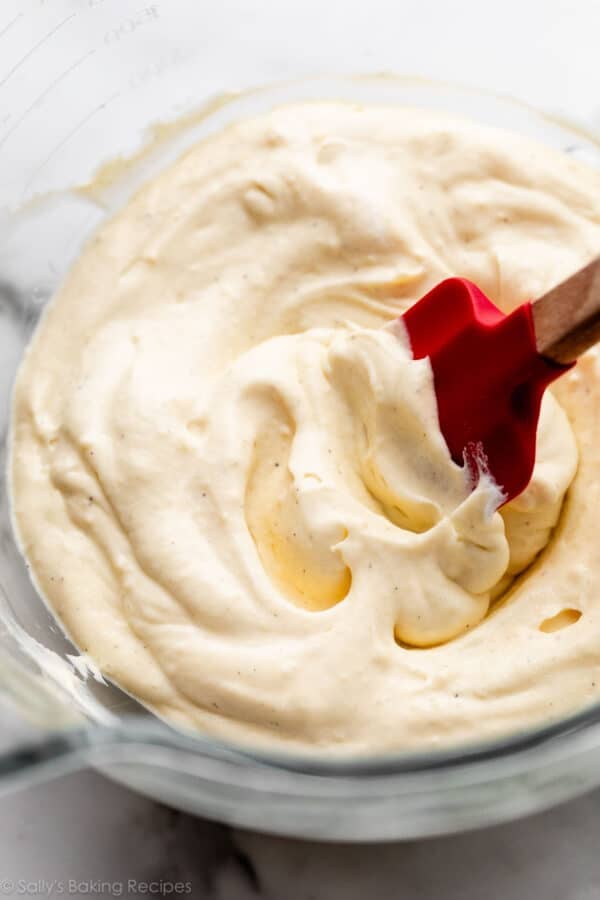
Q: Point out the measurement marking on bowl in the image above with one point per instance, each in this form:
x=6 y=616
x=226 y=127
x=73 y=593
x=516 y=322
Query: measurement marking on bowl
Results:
x=67 y=138
x=146 y=16
x=10 y=24
x=44 y=94
x=160 y=66
x=35 y=47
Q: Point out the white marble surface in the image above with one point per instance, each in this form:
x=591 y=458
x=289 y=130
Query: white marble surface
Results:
x=85 y=828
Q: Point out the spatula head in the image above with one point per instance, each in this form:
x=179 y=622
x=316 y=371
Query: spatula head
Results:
x=489 y=379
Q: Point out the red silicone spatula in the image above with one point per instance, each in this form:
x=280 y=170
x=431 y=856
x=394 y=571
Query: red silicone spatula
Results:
x=490 y=369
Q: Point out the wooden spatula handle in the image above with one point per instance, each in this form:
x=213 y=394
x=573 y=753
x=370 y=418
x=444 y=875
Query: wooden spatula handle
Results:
x=567 y=318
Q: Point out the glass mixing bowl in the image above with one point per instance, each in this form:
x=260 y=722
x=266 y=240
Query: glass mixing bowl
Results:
x=56 y=712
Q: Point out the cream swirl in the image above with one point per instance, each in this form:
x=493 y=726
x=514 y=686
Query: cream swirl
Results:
x=228 y=474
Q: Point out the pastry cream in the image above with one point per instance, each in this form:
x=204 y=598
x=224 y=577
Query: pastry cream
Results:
x=227 y=470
